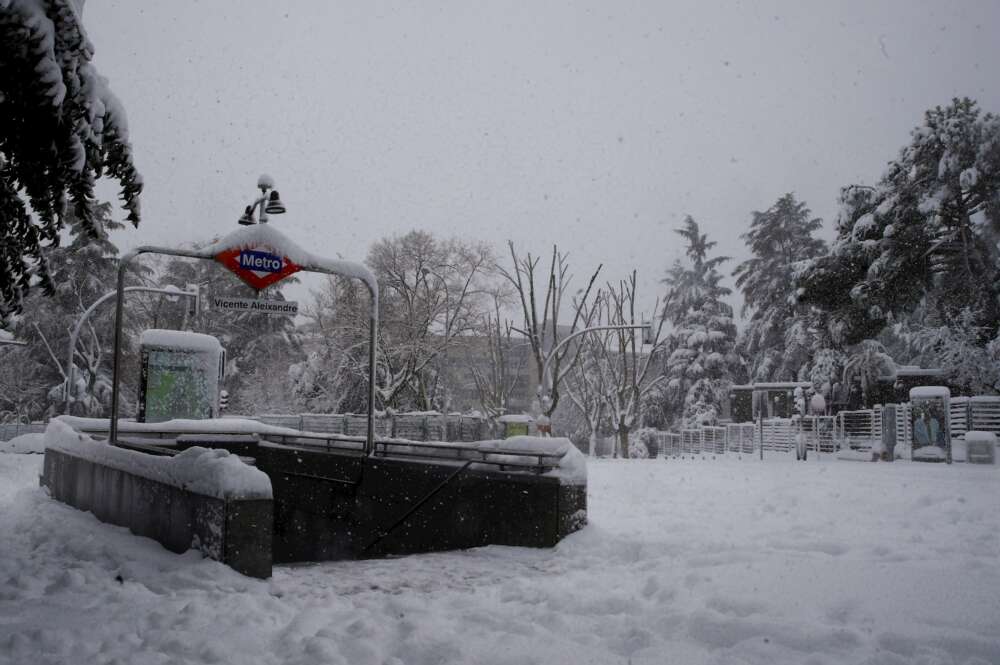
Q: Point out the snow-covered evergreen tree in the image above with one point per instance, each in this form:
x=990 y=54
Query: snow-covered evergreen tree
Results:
x=777 y=341
x=866 y=364
x=925 y=235
x=701 y=365
x=971 y=367
x=60 y=129
x=82 y=271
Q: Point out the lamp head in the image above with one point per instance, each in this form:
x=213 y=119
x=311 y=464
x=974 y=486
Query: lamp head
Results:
x=265 y=182
x=274 y=206
x=647 y=333
x=247 y=218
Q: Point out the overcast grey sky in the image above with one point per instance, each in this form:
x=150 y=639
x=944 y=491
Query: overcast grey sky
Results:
x=595 y=125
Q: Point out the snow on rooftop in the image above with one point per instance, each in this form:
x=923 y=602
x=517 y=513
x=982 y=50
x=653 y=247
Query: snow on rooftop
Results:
x=179 y=339
x=216 y=473
x=516 y=418
x=929 y=391
x=913 y=370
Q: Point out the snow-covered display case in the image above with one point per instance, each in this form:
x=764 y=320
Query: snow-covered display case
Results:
x=181 y=376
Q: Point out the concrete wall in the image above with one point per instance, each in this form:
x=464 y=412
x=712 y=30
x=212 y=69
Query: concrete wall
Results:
x=336 y=506
x=327 y=506
x=235 y=532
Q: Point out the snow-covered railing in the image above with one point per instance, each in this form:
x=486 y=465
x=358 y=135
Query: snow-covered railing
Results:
x=984 y=414
x=424 y=426
x=549 y=456
x=857 y=429
x=904 y=425
x=668 y=443
x=958 y=416
x=819 y=433
x=690 y=441
x=741 y=437
x=778 y=434
x=546 y=456
x=713 y=440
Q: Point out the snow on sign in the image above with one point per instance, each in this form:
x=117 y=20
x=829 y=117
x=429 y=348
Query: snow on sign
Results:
x=258 y=267
x=270 y=307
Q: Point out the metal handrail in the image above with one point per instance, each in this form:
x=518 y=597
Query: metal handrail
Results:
x=545 y=461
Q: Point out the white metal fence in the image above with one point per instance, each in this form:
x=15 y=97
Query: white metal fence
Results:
x=984 y=414
x=859 y=430
x=773 y=434
x=740 y=437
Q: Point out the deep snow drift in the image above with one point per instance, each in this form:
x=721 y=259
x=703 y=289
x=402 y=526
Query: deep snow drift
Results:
x=691 y=561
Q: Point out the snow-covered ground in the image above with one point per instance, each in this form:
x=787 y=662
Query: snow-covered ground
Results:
x=692 y=561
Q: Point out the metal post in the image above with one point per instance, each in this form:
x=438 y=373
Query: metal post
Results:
x=372 y=342
x=544 y=391
x=760 y=427
x=116 y=366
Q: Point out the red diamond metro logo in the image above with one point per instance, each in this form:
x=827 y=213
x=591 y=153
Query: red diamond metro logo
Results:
x=259 y=268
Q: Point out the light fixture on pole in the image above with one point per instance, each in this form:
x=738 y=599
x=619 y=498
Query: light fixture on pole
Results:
x=268 y=203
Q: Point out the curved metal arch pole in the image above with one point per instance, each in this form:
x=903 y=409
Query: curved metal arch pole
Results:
x=545 y=386
x=74 y=337
x=370 y=284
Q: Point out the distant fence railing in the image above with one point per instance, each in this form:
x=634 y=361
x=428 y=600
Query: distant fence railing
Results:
x=10 y=431
x=411 y=426
x=860 y=431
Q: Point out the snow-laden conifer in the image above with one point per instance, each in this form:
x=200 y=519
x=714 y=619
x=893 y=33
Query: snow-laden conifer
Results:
x=777 y=341
x=61 y=128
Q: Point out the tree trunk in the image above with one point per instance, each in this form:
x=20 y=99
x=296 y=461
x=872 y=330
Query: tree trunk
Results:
x=623 y=441
x=592 y=443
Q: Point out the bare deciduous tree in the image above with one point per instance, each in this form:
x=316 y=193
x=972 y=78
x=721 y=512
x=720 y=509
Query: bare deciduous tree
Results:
x=496 y=383
x=628 y=363
x=431 y=292
x=541 y=325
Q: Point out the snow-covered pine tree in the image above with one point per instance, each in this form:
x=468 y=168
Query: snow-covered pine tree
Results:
x=926 y=234
x=82 y=271
x=60 y=129
x=703 y=339
x=776 y=342
x=972 y=367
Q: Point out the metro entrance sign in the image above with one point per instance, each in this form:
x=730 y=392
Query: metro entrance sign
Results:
x=260 y=256
x=257 y=267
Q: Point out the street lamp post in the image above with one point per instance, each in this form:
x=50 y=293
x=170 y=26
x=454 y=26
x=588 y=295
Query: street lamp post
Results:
x=544 y=391
x=70 y=367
